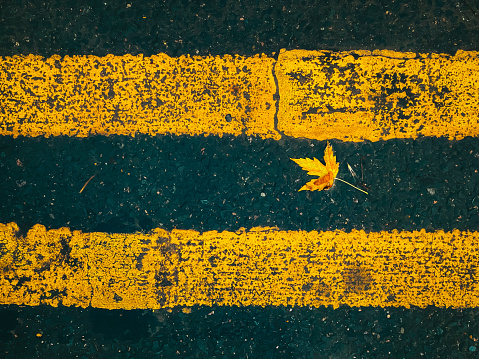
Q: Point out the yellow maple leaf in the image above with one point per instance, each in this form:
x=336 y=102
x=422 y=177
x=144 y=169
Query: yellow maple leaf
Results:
x=326 y=173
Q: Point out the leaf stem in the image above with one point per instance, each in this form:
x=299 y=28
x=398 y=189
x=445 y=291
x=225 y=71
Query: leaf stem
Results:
x=359 y=189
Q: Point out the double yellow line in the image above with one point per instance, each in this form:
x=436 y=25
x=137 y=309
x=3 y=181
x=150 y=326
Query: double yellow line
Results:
x=351 y=96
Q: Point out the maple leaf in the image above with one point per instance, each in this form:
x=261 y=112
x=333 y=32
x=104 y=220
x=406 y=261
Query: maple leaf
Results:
x=326 y=173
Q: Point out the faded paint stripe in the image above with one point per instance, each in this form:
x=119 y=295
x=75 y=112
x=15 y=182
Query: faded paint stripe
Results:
x=87 y=95
x=262 y=266
x=351 y=96
x=378 y=95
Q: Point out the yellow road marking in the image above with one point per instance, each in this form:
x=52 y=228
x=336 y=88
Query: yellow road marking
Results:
x=378 y=95
x=352 y=96
x=262 y=266
x=83 y=95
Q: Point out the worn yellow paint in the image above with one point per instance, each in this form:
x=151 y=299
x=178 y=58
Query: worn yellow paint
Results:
x=352 y=96
x=262 y=266
x=85 y=95
x=378 y=95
